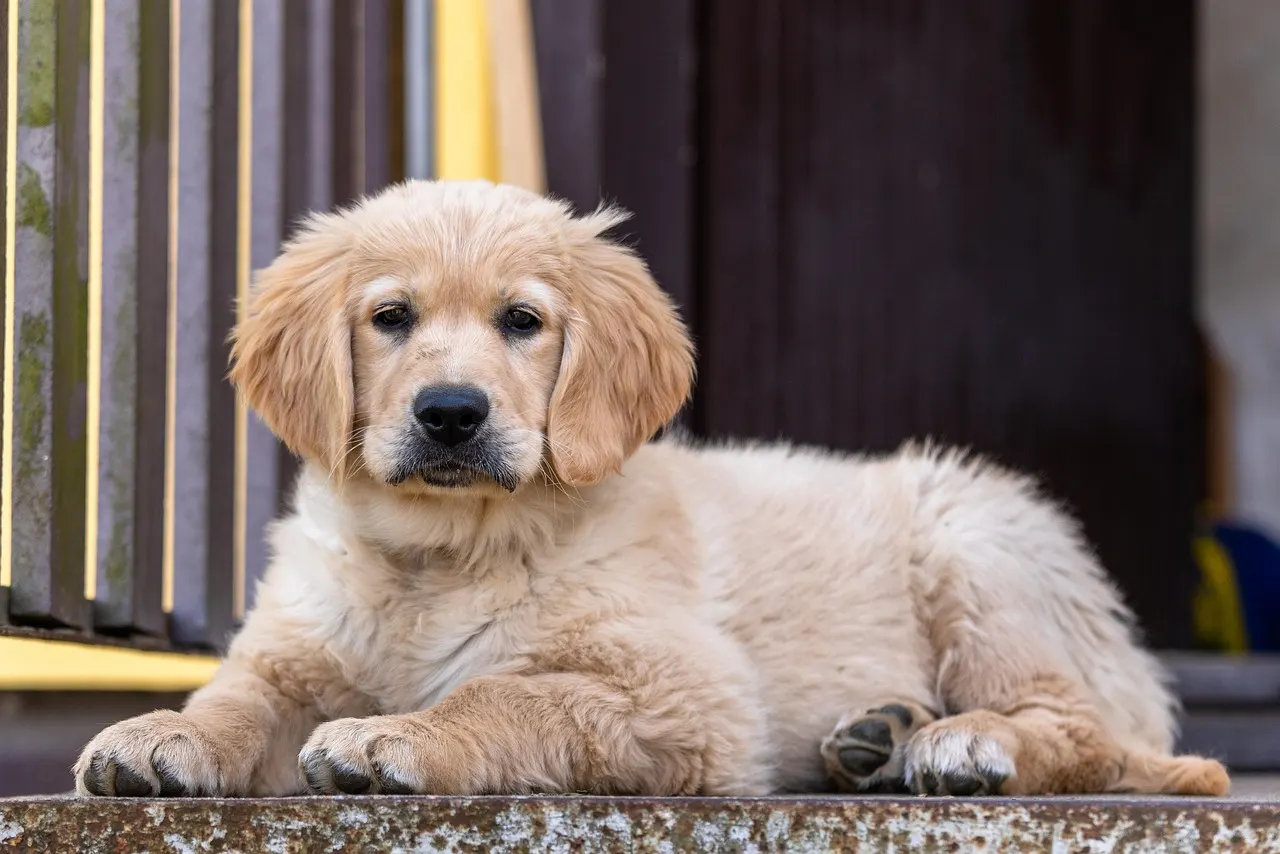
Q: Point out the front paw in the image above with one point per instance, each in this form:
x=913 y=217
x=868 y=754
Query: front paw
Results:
x=162 y=754
x=955 y=757
x=368 y=756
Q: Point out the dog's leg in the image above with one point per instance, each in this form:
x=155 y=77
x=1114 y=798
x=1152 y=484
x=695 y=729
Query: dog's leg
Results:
x=1035 y=654
x=1045 y=740
x=866 y=752
x=647 y=730
x=238 y=735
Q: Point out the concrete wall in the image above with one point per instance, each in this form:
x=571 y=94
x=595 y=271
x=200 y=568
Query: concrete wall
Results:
x=1240 y=233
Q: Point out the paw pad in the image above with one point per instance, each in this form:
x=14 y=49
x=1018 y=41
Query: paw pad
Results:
x=866 y=754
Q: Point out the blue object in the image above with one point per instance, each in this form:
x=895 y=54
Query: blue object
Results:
x=1255 y=559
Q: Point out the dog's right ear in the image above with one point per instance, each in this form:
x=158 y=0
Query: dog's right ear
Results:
x=291 y=354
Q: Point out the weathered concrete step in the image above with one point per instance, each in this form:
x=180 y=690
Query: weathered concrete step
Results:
x=620 y=825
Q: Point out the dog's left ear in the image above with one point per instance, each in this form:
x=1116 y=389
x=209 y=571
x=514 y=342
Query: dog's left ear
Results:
x=291 y=355
x=627 y=365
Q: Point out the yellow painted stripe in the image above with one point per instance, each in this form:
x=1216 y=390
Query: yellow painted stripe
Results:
x=465 y=144
x=93 y=420
x=35 y=665
x=10 y=292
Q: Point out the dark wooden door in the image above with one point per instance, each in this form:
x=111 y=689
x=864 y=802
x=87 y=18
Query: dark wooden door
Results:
x=972 y=221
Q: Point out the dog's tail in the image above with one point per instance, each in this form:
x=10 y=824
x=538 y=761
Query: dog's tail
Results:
x=1154 y=774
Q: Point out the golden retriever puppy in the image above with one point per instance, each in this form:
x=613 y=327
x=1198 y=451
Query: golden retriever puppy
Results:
x=491 y=583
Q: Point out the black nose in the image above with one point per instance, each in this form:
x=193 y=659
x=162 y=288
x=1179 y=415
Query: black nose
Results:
x=451 y=414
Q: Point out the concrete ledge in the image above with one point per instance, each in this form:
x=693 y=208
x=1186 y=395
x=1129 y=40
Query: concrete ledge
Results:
x=562 y=824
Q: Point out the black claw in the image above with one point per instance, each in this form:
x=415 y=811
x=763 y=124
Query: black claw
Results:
x=395 y=787
x=170 y=785
x=861 y=761
x=389 y=785
x=885 y=786
x=312 y=770
x=930 y=782
x=95 y=776
x=873 y=733
x=902 y=713
x=131 y=784
x=351 y=782
x=994 y=781
x=963 y=785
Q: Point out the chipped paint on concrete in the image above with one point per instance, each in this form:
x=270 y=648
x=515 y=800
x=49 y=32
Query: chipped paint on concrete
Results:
x=754 y=826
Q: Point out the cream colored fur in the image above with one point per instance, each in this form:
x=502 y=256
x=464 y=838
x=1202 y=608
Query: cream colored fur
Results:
x=721 y=620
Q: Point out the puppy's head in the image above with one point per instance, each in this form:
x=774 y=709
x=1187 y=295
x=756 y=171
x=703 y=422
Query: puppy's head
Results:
x=461 y=336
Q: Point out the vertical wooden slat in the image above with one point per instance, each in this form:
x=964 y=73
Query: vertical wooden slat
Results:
x=568 y=42
x=389 y=45
x=347 y=182
x=363 y=157
x=308 y=169
x=223 y=159
x=202 y=606
x=619 y=90
x=419 y=79
x=51 y=283
x=116 y=596
x=320 y=98
x=300 y=24
x=6 y=258
x=373 y=67
x=740 y=252
x=650 y=137
x=135 y=308
x=153 y=314
x=650 y=133
x=70 y=310
x=262 y=452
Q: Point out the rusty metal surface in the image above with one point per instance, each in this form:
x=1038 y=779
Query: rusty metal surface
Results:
x=502 y=825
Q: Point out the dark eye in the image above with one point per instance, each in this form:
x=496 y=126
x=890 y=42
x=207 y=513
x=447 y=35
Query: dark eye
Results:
x=520 y=321
x=391 y=317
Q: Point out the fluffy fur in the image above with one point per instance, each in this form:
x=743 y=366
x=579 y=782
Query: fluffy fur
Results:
x=557 y=606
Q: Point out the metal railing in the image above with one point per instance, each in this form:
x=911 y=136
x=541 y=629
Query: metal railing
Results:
x=155 y=152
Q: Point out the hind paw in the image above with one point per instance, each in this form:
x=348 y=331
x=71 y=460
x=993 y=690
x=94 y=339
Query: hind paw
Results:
x=866 y=751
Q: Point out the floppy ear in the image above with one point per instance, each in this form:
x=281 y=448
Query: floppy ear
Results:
x=627 y=366
x=291 y=355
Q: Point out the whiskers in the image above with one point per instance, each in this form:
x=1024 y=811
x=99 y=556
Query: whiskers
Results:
x=485 y=456
x=550 y=481
x=353 y=443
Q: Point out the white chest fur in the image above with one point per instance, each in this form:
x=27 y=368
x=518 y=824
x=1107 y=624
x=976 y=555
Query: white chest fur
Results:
x=403 y=637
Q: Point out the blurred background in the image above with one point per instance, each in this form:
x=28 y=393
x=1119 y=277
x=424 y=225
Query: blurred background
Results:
x=1049 y=231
